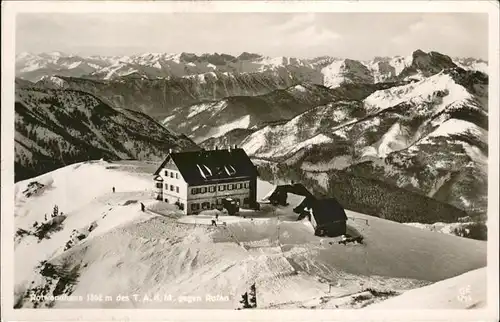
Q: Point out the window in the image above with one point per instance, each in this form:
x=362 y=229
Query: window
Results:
x=171 y=174
x=240 y=185
x=166 y=173
x=218 y=201
x=166 y=200
x=171 y=188
x=246 y=201
x=177 y=176
x=204 y=190
x=159 y=185
x=195 y=206
x=166 y=186
x=211 y=189
x=193 y=191
x=229 y=187
x=177 y=189
x=222 y=187
x=205 y=205
x=246 y=184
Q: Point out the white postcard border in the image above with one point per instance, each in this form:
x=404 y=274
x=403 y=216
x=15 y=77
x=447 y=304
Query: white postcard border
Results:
x=11 y=8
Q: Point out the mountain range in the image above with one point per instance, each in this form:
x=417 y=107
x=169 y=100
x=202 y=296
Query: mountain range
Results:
x=157 y=83
x=417 y=122
x=401 y=142
x=54 y=128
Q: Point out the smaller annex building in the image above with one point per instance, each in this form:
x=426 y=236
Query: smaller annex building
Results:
x=200 y=180
x=327 y=215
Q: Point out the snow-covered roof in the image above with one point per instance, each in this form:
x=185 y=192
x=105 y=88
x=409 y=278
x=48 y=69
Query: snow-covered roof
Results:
x=200 y=167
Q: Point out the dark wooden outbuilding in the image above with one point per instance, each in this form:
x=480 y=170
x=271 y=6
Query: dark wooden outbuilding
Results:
x=326 y=215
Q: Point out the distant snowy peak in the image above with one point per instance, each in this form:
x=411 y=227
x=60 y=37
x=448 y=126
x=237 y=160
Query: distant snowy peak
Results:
x=325 y=70
x=387 y=68
x=438 y=92
x=346 y=71
x=472 y=64
x=53 y=82
x=427 y=64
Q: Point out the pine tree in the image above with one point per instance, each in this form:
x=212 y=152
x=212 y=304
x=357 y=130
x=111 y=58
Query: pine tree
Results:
x=244 y=301
x=253 y=296
x=55 y=212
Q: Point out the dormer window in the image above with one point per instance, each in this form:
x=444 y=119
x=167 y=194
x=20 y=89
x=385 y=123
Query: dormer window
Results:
x=205 y=172
x=207 y=169
x=230 y=170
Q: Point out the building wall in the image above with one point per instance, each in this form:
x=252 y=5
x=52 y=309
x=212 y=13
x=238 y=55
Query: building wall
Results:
x=158 y=189
x=253 y=192
x=332 y=230
x=174 y=178
x=212 y=194
x=313 y=222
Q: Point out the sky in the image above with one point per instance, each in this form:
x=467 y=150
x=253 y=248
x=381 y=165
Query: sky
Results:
x=304 y=35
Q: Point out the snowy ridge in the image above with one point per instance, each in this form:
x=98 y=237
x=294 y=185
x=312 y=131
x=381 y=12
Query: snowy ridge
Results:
x=438 y=88
x=346 y=71
x=54 y=80
x=152 y=65
x=455 y=126
x=241 y=123
x=301 y=131
x=208 y=107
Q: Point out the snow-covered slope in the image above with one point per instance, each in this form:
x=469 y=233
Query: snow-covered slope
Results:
x=106 y=245
x=392 y=134
x=427 y=98
x=346 y=71
x=214 y=119
x=466 y=291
